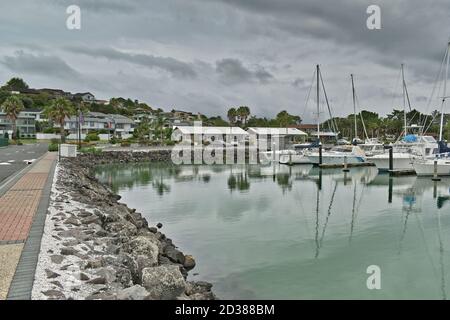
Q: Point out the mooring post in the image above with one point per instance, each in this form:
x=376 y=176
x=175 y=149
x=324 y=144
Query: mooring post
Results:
x=273 y=152
x=320 y=154
x=345 y=164
x=390 y=189
x=290 y=159
x=435 y=172
x=391 y=160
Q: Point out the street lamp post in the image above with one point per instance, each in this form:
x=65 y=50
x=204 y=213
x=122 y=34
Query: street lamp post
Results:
x=79 y=127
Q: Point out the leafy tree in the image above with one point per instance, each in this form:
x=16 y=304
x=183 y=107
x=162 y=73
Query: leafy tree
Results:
x=285 y=119
x=243 y=113
x=259 y=122
x=15 y=84
x=58 y=111
x=217 y=122
x=232 y=114
x=158 y=126
x=12 y=107
x=143 y=129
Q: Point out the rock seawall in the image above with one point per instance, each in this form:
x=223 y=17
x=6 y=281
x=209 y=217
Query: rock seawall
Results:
x=94 y=247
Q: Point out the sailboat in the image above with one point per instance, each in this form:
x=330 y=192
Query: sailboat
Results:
x=413 y=145
x=440 y=164
x=303 y=151
x=341 y=153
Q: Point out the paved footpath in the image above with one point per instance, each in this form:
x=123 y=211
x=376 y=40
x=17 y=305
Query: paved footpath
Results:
x=23 y=208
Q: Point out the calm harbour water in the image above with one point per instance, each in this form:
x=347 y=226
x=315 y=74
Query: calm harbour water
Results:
x=297 y=232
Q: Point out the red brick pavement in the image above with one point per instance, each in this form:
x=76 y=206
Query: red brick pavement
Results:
x=18 y=205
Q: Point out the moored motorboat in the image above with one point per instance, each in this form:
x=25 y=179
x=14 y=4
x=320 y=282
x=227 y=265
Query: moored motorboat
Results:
x=339 y=155
x=439 y=166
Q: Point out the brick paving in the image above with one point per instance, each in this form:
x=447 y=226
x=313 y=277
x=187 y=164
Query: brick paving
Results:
x=18 y=206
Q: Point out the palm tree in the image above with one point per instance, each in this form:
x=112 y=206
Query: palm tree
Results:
x=58 y=111
x=243 y=112
x=12 y=107
x=158 y=125
x=232 y=113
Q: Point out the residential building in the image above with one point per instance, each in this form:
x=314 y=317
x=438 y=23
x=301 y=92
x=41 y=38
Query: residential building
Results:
x=85 y=96
x=138 y=118
x=231 y=135
x=97 y=121
x=122 y=126
x=282 y=137
x=102 y=102
x=25 y=123
x=308 y=128
x=185 y=115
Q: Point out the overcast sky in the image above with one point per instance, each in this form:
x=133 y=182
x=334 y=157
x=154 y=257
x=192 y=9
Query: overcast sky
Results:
x=208 y=55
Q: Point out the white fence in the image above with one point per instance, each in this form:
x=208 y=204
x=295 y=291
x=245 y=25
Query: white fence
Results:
x=46 y=136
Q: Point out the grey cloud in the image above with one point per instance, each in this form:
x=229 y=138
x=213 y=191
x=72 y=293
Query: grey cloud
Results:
x=175 y=67
x=298 y=82
x=411 y=30
x=99 y=6
x=233 y=71
x=22 y=62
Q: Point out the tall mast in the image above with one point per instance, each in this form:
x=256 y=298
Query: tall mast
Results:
x=444 y=95
x=318 y=103
x=354 y=107
x=404 y=100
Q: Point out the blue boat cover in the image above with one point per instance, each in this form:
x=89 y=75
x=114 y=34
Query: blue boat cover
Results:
x=410 y=138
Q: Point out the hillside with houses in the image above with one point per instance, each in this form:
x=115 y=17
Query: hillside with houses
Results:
x=48 y=113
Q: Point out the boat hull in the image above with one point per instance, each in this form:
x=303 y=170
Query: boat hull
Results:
x=400 y=162
x=294 y=159
x=426 y=168
x=269 y=156
x=335 y=159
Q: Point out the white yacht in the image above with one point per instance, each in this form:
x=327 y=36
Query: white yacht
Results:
x=339 y=154
x=300 y=156
x=405 y=153
x=372 y=147
x=425 y=167
x=440 y=163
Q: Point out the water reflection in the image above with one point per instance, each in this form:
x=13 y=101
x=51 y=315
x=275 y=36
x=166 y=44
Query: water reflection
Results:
x=298 y=232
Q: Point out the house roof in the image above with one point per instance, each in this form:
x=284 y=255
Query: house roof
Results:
x=324 y=134
x=82 y=94
x=118 y=118
x=210 y=130
x=304 y=126
x=102 y=117
x=277 y=131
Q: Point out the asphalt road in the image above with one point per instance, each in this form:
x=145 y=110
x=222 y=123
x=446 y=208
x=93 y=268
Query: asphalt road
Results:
x=12 y=158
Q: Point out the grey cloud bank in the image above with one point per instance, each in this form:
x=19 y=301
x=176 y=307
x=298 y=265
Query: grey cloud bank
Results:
x=207 y=56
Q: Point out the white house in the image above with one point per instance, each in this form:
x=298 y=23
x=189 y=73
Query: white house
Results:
x=283 y=137
x=85 y=96
x=223 y=135
x=96 y=121
x=122 y=125
x=25 y=123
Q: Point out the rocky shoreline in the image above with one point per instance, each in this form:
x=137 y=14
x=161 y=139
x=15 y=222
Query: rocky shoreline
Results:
x=94 y=247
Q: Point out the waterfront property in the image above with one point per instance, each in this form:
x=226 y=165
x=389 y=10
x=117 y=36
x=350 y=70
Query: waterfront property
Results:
x=26 y=123
x=96 y=121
